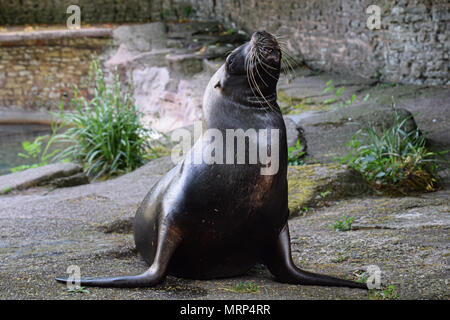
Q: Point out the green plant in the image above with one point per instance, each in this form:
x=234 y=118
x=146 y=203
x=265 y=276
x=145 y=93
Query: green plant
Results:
x=229 y=31
x=343 y=224
x=304 y=210
x=246 y=287
x=324 y=194
x=362 y=279
x=337 y=94
x=329 y=86
x=295 y=155
x=340 y=258
x=105 y=133
x=187 y=11
x=169 y=14
x=394 y=159
x=33 y=151
x=5 y=190
x=348 y=102
x=78 y=290
x=387 y=294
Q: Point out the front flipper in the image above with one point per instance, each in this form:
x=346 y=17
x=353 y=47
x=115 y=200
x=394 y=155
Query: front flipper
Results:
x=279 y=261
x=168 y=241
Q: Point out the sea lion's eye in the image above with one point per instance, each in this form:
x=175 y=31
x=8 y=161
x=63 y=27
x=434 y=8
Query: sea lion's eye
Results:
x=230 y=60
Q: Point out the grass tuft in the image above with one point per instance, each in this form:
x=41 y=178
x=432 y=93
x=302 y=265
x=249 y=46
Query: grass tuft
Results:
x=395 y=160
x=105 y=134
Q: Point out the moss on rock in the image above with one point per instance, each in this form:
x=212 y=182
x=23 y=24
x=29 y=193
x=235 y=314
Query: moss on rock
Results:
x=311 y=184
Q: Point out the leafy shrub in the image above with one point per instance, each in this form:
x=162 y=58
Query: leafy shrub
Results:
x=394 y=159
x=105 y=133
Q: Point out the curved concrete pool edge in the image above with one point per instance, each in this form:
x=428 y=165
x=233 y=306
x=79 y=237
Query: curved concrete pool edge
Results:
x=26 y=117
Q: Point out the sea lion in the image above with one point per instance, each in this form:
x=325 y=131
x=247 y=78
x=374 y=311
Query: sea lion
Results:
x=206 y=221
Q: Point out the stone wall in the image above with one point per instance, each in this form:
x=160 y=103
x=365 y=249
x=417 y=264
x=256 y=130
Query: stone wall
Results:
x=54 y=11
x=13 y=12
x=412 y=45
x=38 y=73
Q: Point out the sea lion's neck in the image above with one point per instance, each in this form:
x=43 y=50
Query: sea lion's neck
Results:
x=234 y=115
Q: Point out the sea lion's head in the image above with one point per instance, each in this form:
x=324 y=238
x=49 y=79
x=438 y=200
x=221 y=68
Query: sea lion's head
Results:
x=251 y=72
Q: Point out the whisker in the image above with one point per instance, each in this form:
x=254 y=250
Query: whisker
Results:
x=287 y=56
x=259 y=90
x=265 y=70
x=288 y=59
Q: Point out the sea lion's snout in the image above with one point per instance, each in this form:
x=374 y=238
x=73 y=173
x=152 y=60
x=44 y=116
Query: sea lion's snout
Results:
x=262 y=35
x=267 y=45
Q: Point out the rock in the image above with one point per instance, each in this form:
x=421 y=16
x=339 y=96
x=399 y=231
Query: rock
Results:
x=129 y=60
x=139 y=46
x=122 y=56
x=70 y=181
x=211 y=66
x=149 y=86
x=327 y=133
x=37 y=176
x=122 y=225
x=142 y=37
x=217 y=51
x=191 y=28
x=291 y=132
x=185 y=64
x=310 y=185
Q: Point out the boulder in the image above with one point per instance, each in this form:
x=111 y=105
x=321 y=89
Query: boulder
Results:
x=70 y=181
x=185 y=64
x=37 y=176
x=292 y=132
x=141 y=37
x=327 y=134
x=121 y=225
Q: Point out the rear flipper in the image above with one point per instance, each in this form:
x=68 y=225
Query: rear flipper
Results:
x=279 y=261
x=168 y=241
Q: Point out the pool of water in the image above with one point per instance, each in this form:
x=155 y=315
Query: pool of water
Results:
x=11 y=138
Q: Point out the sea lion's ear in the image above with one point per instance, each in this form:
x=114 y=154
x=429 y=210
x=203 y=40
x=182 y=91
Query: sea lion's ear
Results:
x=218 y=85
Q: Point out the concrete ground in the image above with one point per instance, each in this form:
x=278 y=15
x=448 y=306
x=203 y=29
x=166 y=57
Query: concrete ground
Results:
x=42 y=233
